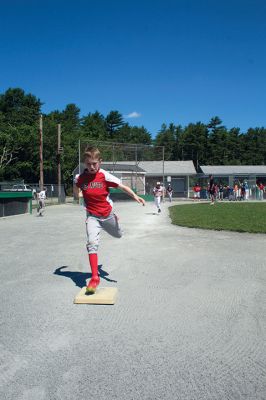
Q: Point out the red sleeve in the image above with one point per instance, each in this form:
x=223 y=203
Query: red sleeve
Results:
x=78 y=181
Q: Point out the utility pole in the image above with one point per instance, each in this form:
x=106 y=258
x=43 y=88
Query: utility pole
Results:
x=163 y=176
x=41 y=154
x=136 y=166
x=59 y=152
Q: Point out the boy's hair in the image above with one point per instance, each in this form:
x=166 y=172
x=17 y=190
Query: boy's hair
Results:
x=92 y=152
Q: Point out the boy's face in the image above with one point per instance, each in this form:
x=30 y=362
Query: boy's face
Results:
x=92 y=164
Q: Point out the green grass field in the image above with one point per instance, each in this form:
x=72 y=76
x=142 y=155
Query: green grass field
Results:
x=239 y=217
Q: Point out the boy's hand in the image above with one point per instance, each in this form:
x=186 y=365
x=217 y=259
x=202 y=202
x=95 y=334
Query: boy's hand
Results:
x=141 y=200
x=130 y=192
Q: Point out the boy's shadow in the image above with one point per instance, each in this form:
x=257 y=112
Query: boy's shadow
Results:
x=79 y=278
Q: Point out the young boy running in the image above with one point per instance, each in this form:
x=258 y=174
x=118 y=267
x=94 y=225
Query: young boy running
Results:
x=158 y=194
x=41 y=202
x=95 y=183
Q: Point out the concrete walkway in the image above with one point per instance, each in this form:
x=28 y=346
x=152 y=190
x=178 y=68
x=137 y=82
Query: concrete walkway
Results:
x=189 y=322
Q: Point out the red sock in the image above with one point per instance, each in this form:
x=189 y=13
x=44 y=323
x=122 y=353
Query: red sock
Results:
x=94 y=264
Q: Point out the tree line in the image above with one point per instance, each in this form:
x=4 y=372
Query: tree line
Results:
x=205 y=144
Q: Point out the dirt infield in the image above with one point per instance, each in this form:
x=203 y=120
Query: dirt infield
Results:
x=189 y=322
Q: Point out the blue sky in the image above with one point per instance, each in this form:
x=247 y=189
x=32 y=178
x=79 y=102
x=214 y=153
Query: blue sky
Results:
x=156 y=62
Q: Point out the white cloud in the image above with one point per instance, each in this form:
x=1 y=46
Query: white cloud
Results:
x=134 y=114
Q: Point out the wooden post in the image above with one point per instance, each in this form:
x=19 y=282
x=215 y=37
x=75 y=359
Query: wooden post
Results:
x=59 y=151
x=136 y=164
x=163 y=177
x=41 y=154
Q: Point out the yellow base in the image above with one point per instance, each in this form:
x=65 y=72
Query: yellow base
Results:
x=103 y=295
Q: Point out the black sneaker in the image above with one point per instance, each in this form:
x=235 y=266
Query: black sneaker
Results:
x=159 y=210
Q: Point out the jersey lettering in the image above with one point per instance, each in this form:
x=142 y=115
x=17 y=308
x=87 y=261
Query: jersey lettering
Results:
x=94 y=185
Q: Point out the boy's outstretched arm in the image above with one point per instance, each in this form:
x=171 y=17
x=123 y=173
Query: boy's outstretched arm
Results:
x=130 y=192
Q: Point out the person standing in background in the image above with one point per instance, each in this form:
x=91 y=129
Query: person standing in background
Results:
x=246 y=190
x=221 y=191
x=41 y=202
x=196 y=190
x=211 y=189
x=261 y=190
x=169 y=192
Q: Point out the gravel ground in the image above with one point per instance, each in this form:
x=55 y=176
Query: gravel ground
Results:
x=189 y=322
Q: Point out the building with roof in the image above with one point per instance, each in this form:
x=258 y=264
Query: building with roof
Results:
x=177 y=173
x=252 y=173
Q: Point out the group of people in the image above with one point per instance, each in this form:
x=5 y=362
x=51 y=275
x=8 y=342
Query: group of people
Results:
x=218 y=191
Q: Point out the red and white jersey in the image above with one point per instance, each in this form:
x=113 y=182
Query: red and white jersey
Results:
x=196 y=188
x=95 y=190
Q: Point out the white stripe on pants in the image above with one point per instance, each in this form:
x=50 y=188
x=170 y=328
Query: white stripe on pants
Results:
x=94 y=225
